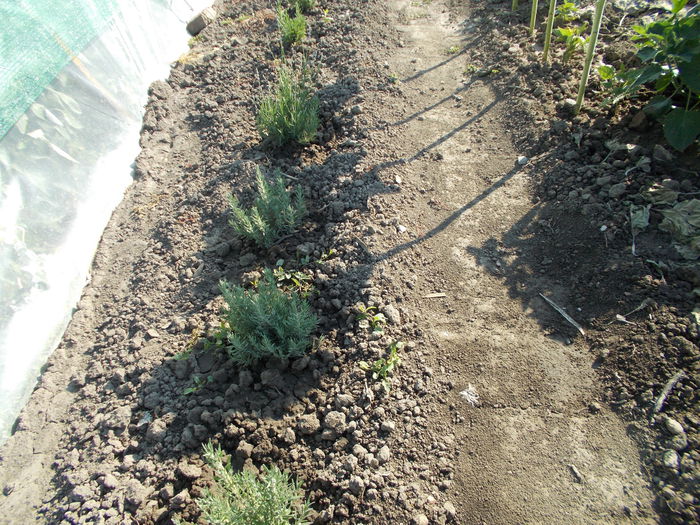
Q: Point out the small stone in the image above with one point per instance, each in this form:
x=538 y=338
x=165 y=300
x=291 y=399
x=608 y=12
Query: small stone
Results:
x=344 y=400
x=678 y=442
x=271 y=377
x=244 y=450
x=202 y=20
x=522 y=160
x=288 y=436
x=450 y=510
x=388 y=426
x=602 y=181
x=336 y=303
x=335 y=421
x=82 y=493
x=392 y=314
x=661 y=154
x=420 y=519
x=638 y=121
x=189 y=471
x=308 y=424
x=109 y=482
x=301 y=363
x=180 y=499
x=245 y=378
x=156 y=431
x=357 y=485
x=673 y=426
x=246 y=260
x=152 y=333
x=569 y=105
x=356 y=110
x=671 y=459
x=617 y=190
x=135 y=492
x=383 y=455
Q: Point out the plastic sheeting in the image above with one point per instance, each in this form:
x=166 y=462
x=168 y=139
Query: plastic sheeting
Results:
x=64 y=166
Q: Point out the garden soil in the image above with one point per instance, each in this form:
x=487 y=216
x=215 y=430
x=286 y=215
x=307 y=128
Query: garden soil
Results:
x=450 y=190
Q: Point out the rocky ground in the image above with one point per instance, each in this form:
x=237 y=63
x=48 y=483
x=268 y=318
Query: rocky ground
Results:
x=450 y=186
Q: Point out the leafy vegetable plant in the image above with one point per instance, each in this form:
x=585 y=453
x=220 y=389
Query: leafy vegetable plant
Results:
x=573 y=39
x=295 y=280
x=276 y=211
x=383 y=367
x=262 y=323
x=373 y=319
x=242 y=498
x=669 y=49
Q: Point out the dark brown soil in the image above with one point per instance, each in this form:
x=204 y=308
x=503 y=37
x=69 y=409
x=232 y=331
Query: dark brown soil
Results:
x=450 y=200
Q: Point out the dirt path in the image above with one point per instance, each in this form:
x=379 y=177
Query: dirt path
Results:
x=419 y=208
x=531 y=451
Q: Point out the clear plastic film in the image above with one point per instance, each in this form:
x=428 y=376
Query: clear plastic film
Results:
x=65 y=161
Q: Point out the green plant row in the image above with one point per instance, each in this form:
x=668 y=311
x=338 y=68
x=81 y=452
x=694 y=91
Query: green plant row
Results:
x=668 y=50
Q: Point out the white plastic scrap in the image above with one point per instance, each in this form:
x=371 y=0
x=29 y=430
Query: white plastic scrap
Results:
x=470 y=395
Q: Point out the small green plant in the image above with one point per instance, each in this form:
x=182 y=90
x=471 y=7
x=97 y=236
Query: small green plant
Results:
x=292 y=29
x=566 y=13
x=326 y=19
x=294 y=280
x=199 y=383
x=325 y=256
x=453 y=50
x=266 y=322
x=304 y=5
x=185 y=354
x=242 y=498
x=290 y=114
x=275 y=212
x=394 y=78
x=669 y=49
x=590 y=51
x=383 y=367
x=192 y=41
x=375 y=320
x=573 y=39
x=548 y=30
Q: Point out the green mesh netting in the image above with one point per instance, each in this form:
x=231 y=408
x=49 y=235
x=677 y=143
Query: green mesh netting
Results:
x=38 y=38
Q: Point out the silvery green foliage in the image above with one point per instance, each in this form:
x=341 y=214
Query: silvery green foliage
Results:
x=242 y=498
x=266 y=322
x=275 y=212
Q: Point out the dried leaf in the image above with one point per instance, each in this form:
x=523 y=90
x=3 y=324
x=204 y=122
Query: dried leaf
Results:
x=658 y=194
x=639 y=217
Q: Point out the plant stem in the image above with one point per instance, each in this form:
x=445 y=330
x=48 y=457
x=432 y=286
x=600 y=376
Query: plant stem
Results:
x=533 y=18
x=514 y=5
x=548 y=31
x=597 y=17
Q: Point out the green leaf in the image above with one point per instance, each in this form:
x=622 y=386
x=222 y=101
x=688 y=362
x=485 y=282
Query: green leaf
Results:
x=647 y=53
x=690 y=73
x=681 y=128
x=658 y=106
x=678 y=5
x=606 y=72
